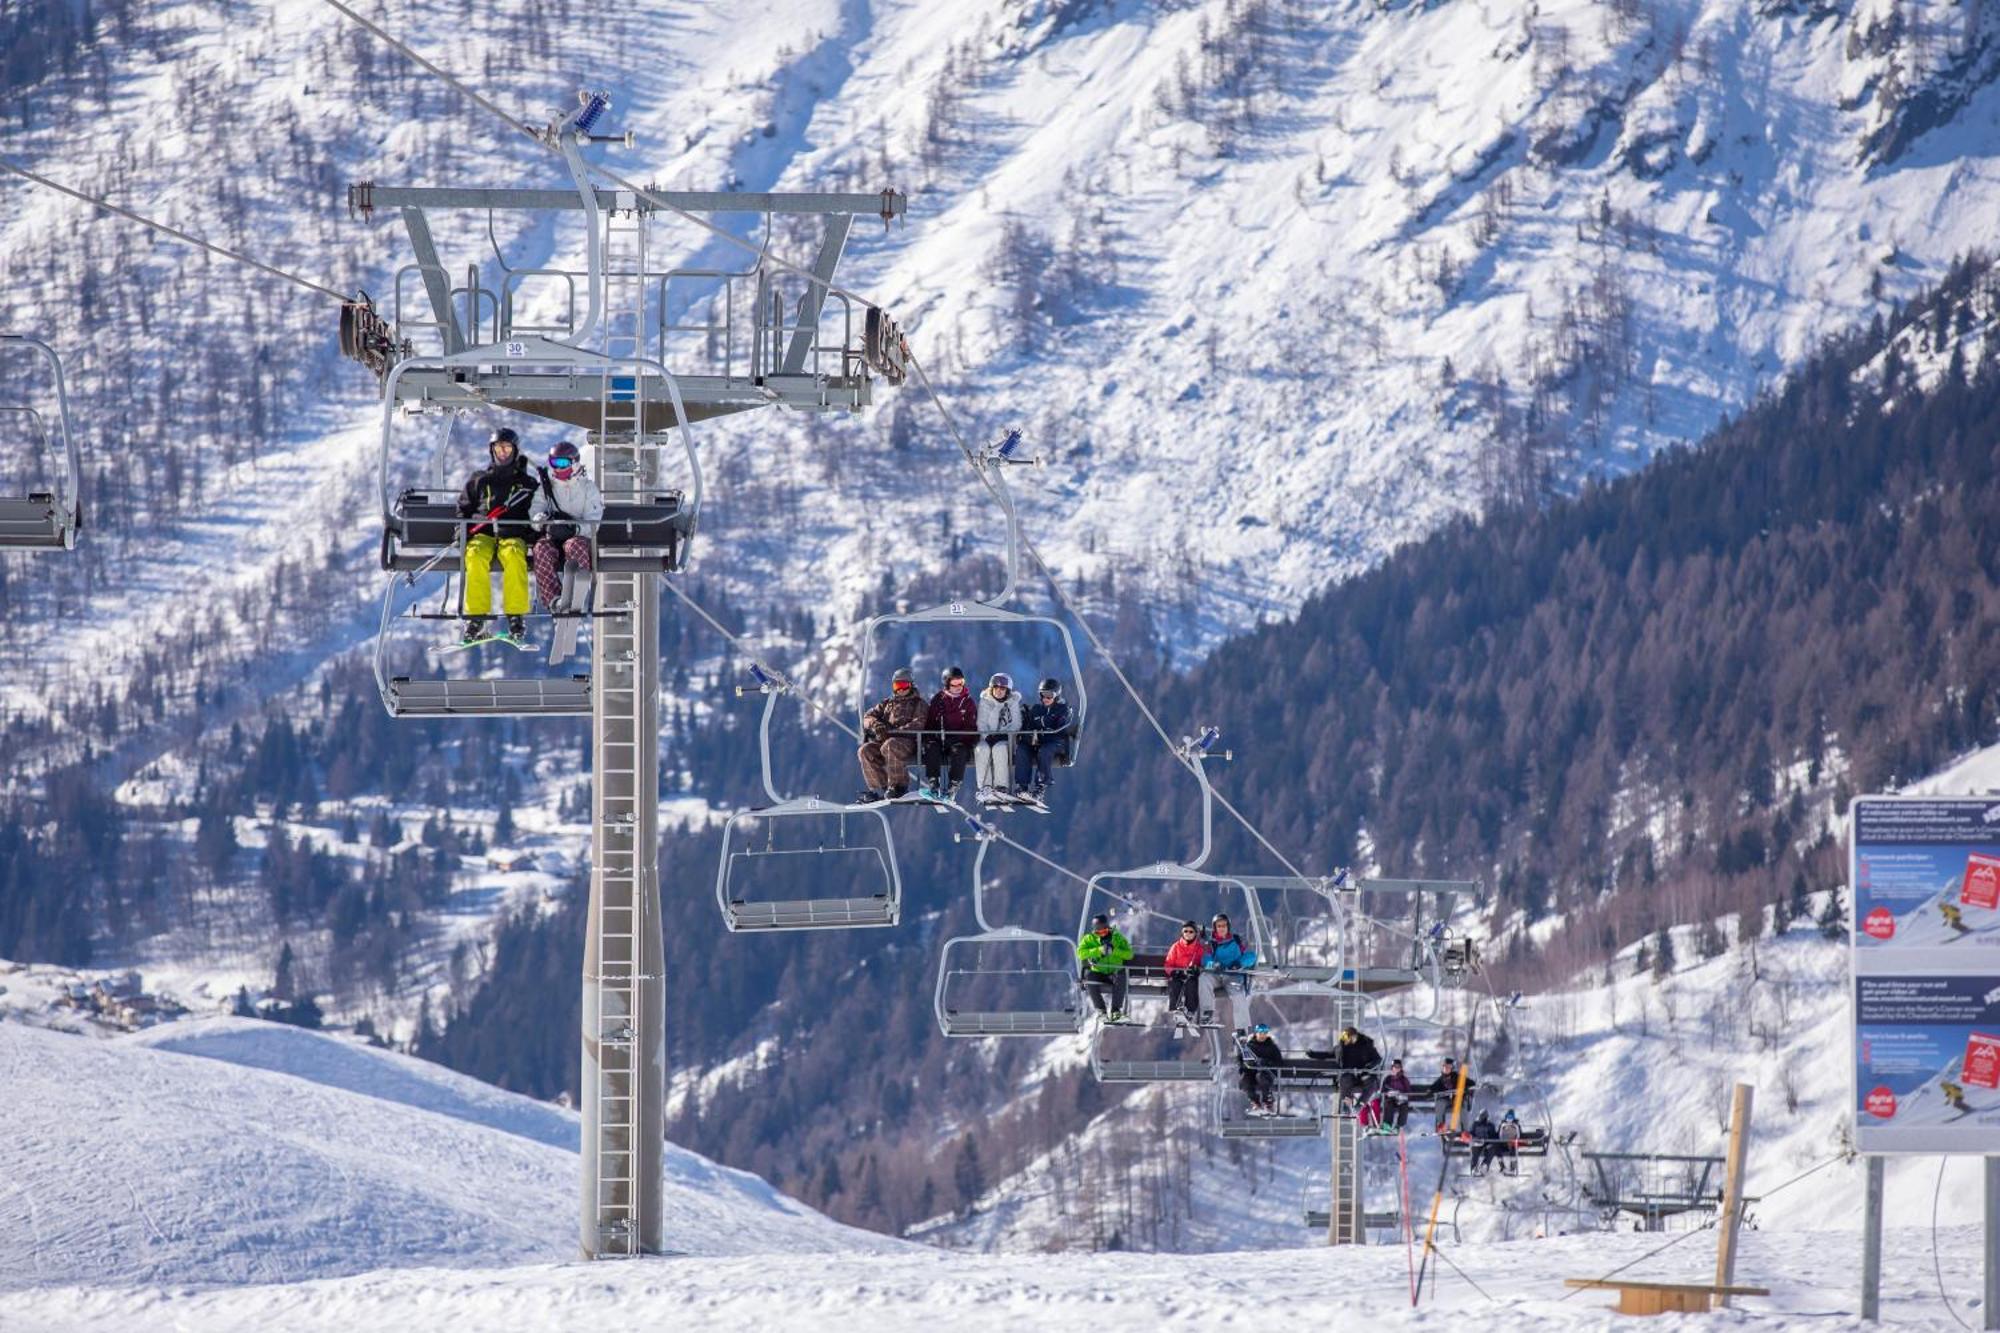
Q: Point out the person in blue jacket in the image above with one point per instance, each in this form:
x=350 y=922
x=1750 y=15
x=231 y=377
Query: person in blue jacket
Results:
x=1228 y=959
x=1043 y=741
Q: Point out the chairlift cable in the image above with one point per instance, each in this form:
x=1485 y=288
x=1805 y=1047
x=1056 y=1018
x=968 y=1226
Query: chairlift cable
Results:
x=174 y=232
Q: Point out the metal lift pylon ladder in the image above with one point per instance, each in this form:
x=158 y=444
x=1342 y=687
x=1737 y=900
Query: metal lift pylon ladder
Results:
x=622 y=392
x=41 y=520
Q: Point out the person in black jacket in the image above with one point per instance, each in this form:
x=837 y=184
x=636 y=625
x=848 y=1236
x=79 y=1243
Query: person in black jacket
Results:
x=496 y=500
x=1043 y=741
x=1445 y=1087
x=1485 y=1136
x=1259 y=1061
x=1358 y=1060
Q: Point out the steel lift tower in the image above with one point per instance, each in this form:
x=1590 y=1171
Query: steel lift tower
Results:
x=591 y=349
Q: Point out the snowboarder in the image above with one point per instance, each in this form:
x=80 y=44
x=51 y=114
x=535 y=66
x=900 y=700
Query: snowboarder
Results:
x=1260 y=1060
x=1046 y=728
x=1954 y=918
x=889 y=739
x=1103 y=953
x=1395 y=1099
x=567 y=509
x=1184 y=962
x=504 y=491
x=1228 y=959
x=993 y=756
x=950 y=726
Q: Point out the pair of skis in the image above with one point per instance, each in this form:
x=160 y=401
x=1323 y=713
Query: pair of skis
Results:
x=498 y=636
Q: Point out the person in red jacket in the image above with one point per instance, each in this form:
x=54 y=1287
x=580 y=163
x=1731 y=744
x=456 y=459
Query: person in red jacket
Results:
x=1184 y=960
x=950 y=728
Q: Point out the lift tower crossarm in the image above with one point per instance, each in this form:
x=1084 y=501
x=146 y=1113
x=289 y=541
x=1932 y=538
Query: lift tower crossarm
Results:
x=365 y=196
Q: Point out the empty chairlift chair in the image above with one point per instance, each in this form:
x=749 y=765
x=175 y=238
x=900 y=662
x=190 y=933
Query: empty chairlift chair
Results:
x=46 y=513
x=780 y=840
x=1005 y=981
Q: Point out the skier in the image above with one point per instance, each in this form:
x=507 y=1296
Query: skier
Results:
x=1228 y=959
x=1954 y=918
x=1184 y=963
x=506 y=486
x=1484 y=1136
x=1357 y=1058
x=1444 y=1088
x=993 y=756
x=1954 y=1096
x=1259 y=1060
x=1507 y=1149
x=889 y=739
x=567 y=509
x=1103 y=953
x=950 y=726
x=1046 y=728
x=1395 y=1100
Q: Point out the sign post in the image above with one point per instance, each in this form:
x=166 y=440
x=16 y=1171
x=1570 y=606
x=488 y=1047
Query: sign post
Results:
x=1924 y=873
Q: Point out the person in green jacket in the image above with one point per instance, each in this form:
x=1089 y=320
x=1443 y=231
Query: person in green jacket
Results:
x=1103 y=953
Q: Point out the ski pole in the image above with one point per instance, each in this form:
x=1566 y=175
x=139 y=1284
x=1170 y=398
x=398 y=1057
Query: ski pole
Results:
x=410 y=579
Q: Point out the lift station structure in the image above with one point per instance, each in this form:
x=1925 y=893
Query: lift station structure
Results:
x=613 y=350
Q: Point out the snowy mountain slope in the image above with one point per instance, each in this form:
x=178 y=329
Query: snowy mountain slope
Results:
x=1519 y=1286
x=1276 y=286
x=187 y=1157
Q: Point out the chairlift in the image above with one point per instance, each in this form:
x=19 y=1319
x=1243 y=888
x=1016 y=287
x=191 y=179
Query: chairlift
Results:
x=992 y=610
x=753 y=840
x=1006 y=981
x=423 y=537
x=47 y=513
x=1113 y=1061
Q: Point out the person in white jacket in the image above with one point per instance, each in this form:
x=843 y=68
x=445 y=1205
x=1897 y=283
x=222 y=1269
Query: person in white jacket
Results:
x=566 y=511
x=993 y=753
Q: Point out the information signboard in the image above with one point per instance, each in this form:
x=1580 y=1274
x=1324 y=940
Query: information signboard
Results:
x=1925 y=884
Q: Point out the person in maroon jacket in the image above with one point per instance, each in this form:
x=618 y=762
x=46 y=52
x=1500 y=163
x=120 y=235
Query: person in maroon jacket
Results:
x=1184 y=960
x=950 y=728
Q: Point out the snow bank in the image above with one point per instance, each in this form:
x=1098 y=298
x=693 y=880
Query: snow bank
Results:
x=280 y=1155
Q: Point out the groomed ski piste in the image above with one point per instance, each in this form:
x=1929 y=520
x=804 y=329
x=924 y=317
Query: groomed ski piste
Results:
x=235 y=1174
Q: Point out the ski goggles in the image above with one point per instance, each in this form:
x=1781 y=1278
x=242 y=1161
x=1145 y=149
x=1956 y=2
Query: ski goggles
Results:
x=900 y=685
x=562 y=464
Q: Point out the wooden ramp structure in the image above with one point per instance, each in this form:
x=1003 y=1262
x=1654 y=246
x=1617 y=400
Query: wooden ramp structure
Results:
x=1635 y=1297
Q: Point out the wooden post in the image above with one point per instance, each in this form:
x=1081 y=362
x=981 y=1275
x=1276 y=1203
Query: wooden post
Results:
x=1732 y=1190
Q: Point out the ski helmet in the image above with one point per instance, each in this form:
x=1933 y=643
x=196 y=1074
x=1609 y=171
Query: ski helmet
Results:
x=1050 y=686
x=952 y=673
x=505 y=435
x=565 y=456
x=1001 y=679
x=1262 y=1029
x=902 y=677
x=1100 y=922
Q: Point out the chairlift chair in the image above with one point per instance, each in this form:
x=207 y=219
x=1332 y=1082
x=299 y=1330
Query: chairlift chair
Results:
x=976 y=998
x=1232 y=1119
x=44 y=520
x=988 y=611
x=423 y=534
x=1111 y=1067
x=742 y=854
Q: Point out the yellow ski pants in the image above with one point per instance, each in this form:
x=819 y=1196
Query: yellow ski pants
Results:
x=479 y=575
